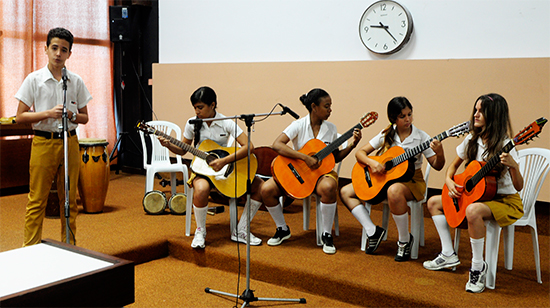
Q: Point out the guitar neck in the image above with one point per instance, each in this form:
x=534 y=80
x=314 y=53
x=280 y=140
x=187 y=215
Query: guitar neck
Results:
x=417 y=150
x=186 y=147
x=493 y=161
x=336 y=143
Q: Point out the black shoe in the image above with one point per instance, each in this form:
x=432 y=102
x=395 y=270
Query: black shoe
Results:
x=404 y=250
x=279 y=237
x=328 y=244
x=374 y=240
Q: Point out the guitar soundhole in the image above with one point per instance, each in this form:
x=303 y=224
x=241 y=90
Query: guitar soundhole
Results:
x=229 y=169
x=210 y=158
x=469 y=186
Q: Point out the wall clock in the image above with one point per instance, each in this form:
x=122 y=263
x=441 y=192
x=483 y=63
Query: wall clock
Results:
x=385 y=27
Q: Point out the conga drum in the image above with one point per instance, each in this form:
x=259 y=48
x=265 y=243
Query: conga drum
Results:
x=93 y=181
x=154 y=202
x=177 y=203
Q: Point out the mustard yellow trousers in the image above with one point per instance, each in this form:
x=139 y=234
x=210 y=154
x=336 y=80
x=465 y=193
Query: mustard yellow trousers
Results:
x=47 y=161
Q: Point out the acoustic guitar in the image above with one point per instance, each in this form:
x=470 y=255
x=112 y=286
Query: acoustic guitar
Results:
x=295 y=176
x=399 y=166
x=478 y=183
x=230 y=180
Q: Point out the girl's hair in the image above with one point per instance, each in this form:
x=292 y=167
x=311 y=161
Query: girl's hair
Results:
x=313 y=97
x=395 y=106
x=497 y=127
x=204 y=95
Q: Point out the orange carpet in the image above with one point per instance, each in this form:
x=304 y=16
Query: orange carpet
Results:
x=169 y=273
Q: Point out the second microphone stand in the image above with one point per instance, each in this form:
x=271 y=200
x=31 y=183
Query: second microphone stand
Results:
x=65 y=126
x=248 y=295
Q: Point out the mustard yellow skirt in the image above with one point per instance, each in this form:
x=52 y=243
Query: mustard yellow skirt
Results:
x=506 y=208
x=417 y=185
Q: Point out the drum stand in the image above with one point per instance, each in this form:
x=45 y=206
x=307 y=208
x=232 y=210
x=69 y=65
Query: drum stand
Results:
x=65 y=126
x=248 y=295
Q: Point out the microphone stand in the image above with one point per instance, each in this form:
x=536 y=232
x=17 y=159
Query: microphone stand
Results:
x=248 y=295
x=65 y=125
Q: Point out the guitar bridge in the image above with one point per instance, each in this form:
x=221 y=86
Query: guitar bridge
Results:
x=367 y=177
x=296 y=174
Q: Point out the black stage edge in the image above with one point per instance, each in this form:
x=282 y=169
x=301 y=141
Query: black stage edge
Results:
x=112 y=286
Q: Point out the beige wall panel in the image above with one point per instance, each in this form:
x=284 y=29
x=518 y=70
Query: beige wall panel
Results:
x=442 y=92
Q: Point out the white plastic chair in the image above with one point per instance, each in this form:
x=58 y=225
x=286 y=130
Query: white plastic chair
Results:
x=417 y=219
x=160 y=157
x=319 y=216
x=534 y=164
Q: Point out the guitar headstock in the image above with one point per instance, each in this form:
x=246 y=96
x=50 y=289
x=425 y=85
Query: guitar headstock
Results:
x=145 y=128
x=528 y=133
x=368 y=119
x=460 y=129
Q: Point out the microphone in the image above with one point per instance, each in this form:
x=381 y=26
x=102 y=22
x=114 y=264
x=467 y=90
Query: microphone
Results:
x=289 y=111
x=195 y=121
x=64 y=74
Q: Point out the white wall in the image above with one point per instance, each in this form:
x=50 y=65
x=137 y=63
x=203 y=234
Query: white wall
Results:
x=207 y=31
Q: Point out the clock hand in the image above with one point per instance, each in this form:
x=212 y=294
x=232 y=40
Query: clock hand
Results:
x=386 y=28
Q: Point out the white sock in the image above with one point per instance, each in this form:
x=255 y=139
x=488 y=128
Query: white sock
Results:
x=402 y=223
x=442 y=228
x=328 y=211
x=362 y=215
x=477 y=253
x=277 y=215
x=254 y=206
x=200 y=216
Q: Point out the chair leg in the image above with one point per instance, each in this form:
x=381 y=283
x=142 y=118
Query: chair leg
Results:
x=535 y=239
x=336 y=223
x=492 y=240
x=319 y=221
x=232 y=215
x=173 y=182
x=415 y=230
x=306 y=211
x=508 y=234
x=385 y=219
x=149 y=181
x=188 y=211
x=457 y=243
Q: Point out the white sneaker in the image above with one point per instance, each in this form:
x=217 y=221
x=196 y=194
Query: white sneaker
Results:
x=442 y=261
x=328 y=244
x=241 y=238
x=198 y=240
x=476 y=283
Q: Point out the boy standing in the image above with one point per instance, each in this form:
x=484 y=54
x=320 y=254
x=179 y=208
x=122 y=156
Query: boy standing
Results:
x=43 y=91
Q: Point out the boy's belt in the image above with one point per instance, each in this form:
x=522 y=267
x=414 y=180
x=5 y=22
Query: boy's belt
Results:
x=50 y=135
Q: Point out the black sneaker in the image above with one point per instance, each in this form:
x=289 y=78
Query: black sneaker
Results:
x=374 y=240
x=328 y=245
x=404 y=250
x=279 y=237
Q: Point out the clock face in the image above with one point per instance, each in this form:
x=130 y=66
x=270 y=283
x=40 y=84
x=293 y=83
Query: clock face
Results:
x=385 y=27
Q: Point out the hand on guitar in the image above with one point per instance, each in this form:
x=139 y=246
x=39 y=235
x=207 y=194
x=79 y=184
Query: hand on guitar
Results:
x=164 y=142
x=507 y=160
x=376 y=167
x=218 y=163
x=312 y=162
x=455 y=190
x=436 y=146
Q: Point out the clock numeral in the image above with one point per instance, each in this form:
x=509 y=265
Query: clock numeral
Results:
x=383 y=7
x=403 y=23
x=385 y=47
x=366 y=29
